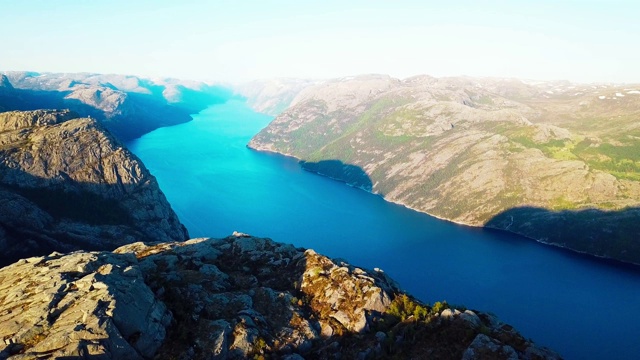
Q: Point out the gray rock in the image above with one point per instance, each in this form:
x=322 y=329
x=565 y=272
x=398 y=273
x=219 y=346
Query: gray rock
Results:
x=484 y=347
x=449 y=313
x=83 y=303
x=67 y=184
x=159 y=300
x=471 y=318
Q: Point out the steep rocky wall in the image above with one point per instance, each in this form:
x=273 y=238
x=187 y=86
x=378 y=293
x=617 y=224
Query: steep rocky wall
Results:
x=69 y=184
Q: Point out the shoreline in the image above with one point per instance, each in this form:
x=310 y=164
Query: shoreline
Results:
x=557 y=246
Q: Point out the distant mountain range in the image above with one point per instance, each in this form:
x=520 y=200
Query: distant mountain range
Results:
x=272 y=96
x=554 y=161
x=128 y=106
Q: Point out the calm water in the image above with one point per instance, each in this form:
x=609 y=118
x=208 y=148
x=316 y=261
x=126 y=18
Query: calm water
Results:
x=581 y=307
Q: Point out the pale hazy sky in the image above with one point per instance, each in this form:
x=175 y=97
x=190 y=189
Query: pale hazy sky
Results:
x=585 y=41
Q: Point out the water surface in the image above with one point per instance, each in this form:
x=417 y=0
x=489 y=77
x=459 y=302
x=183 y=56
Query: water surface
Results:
x=582 y=307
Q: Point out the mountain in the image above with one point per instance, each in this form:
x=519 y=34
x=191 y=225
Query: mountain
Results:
x=233 y=298
x=128 y=106
x=67 y=184
x=554 y=161
x=272 y=96
x=5 y=83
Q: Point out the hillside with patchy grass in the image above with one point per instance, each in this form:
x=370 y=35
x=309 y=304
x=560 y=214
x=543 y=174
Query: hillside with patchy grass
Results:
x=555 y=161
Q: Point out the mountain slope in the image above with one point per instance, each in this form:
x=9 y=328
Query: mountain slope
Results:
x=67 y=184
x=234 y=298
x=529 y=158
x=272 y=96
x=127 y=105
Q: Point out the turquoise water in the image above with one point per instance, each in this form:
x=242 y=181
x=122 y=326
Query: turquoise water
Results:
x=582 y=307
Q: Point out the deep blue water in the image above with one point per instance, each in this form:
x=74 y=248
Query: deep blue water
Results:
x=582 y=307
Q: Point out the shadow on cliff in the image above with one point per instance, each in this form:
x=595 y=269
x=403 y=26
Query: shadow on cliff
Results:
x=19 y=99
x=131 y=115
x=337 y=170
x=612 y=234
x=42 y=215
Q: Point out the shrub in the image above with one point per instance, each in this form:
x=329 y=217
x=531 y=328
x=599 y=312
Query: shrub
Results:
x=439 y=306
x=403 y=307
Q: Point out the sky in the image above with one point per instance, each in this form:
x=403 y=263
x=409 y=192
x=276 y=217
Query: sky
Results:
x=235 y=41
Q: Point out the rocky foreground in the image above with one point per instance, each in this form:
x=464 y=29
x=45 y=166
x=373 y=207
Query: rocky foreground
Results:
x=232 y=298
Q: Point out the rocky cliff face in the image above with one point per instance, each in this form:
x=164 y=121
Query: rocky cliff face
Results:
x=127 y=105
x=233 y=298
x=535 y=159
x=67 y=184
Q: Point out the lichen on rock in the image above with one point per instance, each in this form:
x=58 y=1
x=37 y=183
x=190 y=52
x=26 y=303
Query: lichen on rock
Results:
x=232 y=298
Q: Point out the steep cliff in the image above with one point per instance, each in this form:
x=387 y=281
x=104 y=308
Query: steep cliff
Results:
x=557 y=162
x=234 y=298
x=68 y=184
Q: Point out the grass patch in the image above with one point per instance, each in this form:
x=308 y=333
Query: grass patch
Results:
x=623 y=161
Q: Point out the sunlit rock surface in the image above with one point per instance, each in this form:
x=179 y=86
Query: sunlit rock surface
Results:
x=534 y=159
x=232 y=298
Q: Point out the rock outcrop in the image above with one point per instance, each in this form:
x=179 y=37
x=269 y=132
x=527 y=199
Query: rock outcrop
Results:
x=67 y=184
x=482 y=152
x=233 y=298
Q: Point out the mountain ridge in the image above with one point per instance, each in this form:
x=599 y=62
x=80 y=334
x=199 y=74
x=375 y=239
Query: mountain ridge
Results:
x=129 y=106
x=467 y=150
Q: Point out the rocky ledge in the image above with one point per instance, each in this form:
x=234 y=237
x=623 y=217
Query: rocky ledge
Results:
x=231 y=298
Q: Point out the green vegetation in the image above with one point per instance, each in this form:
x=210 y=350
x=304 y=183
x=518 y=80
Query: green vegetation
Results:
x=561 y=203
x=548 y=148
x=403 y=307
x=259 y=348
x=622 y=161
x=391 y=140
x=484 y=100
x=439 y=306
x=476 y=170
x=338 y=145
